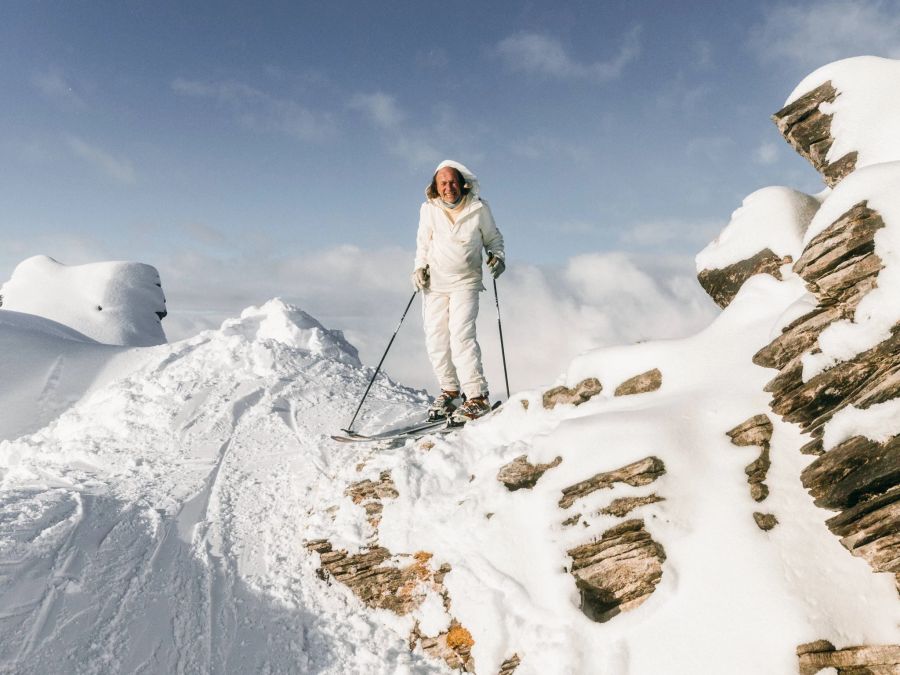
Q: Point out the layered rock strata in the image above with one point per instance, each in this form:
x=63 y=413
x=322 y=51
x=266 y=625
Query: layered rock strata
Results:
x=520 y=473
x=398 y=583
x=640 y=384
x=581 y=392
x=756 y=431
x=621 y=569
x=617 y=572
x=862 y=660
x=808 y=129
x=857 y=476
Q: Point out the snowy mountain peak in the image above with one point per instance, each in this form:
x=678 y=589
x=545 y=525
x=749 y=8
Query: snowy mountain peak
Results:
x=285 y=323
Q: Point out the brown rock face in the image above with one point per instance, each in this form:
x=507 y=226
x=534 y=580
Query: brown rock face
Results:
x=859 y=477
x=808 y=130
x=640 y=384
x=765 y=521
x=723 y=284
x=369 y=494
x=864 y=660
x=637 y=473
x=581 y=392
x=399 y=589
x=755 y=431
x=618 y=572
x=520 y=473
x=622 y=506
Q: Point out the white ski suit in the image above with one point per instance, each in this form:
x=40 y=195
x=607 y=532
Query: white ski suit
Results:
x=453 y=253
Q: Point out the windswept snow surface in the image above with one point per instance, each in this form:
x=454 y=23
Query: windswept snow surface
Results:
x=157 y=525
x=774 y=217
x=116 y=303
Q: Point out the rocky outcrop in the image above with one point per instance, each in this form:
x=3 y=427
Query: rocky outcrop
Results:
x=619 y=571
x=765 y=521
x=581 y=392
x=368 y=494
x=637 y=473
x=756 y=431
x=864 y=660
x=622 y=506
x=840 y=266
x=380 y=580
x=723 y=284
x=397 y=583
x=808 y=130
x=520 y=473
x=640 y=384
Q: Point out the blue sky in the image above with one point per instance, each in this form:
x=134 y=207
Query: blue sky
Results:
x=230 y=138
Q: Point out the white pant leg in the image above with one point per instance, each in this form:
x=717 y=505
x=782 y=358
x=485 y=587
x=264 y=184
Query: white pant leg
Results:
x=436 y=317
x=463 y=343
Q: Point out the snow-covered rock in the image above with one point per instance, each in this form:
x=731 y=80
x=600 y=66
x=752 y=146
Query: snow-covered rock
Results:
x=764 y=234
x=115 y=303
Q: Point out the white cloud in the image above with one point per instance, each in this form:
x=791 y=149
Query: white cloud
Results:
x=420 y=145
x=550 y=314
x=260 y=111
x=55 y=86
x=117 y=168
x=811 y=34
x=689 y=234
x=709 y=148
x=539 y=54
x=766 y=154
x=381 y=108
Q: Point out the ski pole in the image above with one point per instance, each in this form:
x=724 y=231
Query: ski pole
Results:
x=378 y=367
x=500 y=327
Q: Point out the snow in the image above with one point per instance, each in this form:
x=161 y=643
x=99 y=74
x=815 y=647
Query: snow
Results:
x=866 y=113
x=879 y=422
x=114 y=303
x=774 y=217
x=879 y=310
x=157 y=522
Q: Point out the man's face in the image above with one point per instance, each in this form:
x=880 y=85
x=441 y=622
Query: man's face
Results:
x=448 y=184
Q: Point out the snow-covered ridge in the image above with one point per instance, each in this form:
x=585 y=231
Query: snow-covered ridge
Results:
x=116 y=303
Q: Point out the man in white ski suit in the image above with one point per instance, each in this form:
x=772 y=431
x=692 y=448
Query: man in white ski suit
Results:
x=455 y=226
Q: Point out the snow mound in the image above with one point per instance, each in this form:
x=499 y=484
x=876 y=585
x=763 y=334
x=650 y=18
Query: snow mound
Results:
x=115 y=303
x=774 y=217
x=276 y=320
x=866 y=110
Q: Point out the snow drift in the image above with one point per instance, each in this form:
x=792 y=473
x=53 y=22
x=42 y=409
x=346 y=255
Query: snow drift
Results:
x=116 y=303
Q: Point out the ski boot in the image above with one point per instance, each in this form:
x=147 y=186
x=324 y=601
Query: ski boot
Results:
x=472 y=409
x=443 y=405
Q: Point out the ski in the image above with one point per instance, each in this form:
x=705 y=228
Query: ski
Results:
x=412 y=430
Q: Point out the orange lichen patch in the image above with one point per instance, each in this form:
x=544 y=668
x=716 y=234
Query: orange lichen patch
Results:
x=459 y=638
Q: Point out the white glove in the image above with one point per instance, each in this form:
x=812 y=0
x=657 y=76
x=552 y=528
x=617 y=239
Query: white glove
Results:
x=420 y=279
x=496 y=265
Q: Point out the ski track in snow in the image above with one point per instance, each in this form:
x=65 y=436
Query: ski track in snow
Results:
x=165 y=517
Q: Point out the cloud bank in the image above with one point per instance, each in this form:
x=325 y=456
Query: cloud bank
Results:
x=811 y=34
x=542 y=55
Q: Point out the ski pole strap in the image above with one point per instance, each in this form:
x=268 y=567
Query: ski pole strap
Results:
x=378 y=367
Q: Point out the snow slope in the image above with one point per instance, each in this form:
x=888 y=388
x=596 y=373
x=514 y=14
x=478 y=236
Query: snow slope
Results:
x=157 y=524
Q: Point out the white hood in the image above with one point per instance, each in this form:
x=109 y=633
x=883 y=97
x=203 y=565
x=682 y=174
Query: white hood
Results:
x=471 y=178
